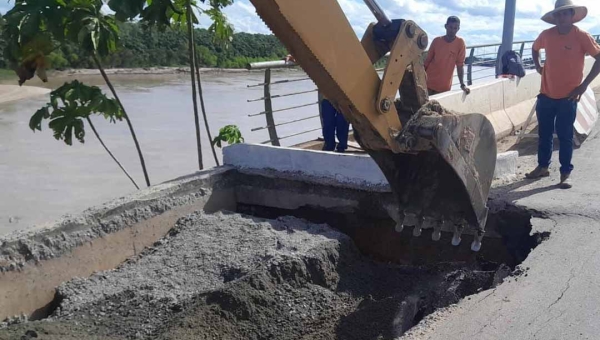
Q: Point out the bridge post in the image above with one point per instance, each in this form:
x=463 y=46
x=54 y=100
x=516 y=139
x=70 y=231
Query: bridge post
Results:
x=510 y=9
x=269 y=110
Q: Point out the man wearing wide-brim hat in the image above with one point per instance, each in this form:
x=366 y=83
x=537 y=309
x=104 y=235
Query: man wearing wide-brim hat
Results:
x=566 y=46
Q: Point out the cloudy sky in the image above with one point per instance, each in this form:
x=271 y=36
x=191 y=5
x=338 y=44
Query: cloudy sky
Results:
x=481 y=20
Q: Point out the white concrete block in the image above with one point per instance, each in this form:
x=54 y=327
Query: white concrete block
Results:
x=484 y=98
x=519 y=113
x=518 y=90
x=506 y=165
x=501 y=123
x=345 y=168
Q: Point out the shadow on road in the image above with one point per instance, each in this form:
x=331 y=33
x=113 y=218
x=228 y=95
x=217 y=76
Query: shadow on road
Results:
x=511 y=194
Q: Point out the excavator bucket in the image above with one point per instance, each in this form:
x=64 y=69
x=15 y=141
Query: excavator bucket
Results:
x=439 y=163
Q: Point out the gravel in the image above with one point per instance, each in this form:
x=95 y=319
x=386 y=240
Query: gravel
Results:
x=231 y=276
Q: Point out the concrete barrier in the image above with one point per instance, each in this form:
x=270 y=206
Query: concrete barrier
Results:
x=344 y=169
x=506 y=102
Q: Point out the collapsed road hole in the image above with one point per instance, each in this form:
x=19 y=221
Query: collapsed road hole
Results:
x=465 y=272
x=231 y=276
x=507 y=241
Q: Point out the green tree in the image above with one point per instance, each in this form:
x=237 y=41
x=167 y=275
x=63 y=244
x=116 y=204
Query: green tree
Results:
x=167 y=13
x=57 y=60
x=142 y=46
x=69 y=106
x=206 y=57
x=34 y=28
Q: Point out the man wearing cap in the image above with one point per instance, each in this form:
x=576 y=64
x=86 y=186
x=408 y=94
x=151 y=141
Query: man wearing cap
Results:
x=444 y=54
x=566 y=46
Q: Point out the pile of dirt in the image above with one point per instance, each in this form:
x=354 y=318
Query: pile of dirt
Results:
x=228 y=276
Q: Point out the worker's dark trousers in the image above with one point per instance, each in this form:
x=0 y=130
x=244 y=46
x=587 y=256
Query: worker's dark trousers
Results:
x=559 y=114
x=334 y=124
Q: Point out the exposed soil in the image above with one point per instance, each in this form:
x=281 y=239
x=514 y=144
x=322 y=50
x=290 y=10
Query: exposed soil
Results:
x=229 y=276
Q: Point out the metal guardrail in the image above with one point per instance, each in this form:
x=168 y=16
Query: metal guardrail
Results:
x=271 y=126
x=481 y=64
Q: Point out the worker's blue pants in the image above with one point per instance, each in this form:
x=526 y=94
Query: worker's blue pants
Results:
x=559 y=114
x=334 y=124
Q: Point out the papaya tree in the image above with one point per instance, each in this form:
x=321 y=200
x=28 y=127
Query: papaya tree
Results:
x=179 y=13
x=34 y=28
x=72 y=104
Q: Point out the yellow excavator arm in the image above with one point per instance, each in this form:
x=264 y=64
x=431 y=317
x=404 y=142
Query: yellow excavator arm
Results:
x=439 y=164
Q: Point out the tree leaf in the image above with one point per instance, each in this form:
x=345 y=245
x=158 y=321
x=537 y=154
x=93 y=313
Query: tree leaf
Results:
x=69 y=105
x=79 y=130
x=68 y=134
x=95 y=37
x=58 y=125
x=221 y=29
x=230 y=134
x=35 y=123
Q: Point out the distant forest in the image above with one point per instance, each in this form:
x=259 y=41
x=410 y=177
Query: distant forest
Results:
x=142 y=47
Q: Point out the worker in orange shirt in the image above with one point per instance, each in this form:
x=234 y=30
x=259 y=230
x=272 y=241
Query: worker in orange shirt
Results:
x=562 y=73
x=446 y=53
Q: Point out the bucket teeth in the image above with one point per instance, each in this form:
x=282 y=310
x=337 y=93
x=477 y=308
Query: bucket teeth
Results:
x=399 y=226
x=426 y=222
x=456 y=238
x=395 y=214
x=411 y=218
x=476 y=245
x=418 y=228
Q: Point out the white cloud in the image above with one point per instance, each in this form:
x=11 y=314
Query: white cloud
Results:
x=5 y=6
x=244 y=19
x=481 y=20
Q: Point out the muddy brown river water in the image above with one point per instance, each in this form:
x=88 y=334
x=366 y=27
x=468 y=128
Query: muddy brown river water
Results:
x=42 y=179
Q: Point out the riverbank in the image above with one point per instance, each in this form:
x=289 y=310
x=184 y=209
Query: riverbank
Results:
x=10 y=93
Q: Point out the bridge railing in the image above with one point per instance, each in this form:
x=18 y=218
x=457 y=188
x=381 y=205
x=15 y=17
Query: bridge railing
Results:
x=269 y=112
x=480 y=67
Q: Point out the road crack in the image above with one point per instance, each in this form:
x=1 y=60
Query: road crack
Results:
x=562 y=293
